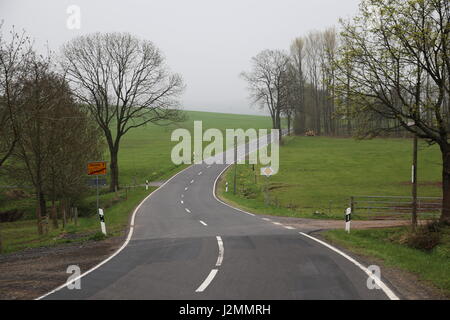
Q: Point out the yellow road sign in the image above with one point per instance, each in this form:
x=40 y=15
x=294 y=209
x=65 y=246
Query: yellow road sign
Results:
x=97 y=168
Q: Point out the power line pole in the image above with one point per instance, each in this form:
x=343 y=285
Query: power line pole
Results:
x=235 y=166
x=414 y=184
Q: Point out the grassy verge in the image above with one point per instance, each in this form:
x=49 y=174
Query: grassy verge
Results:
x=385 y=244
x=318 y=175
x=22 y=234
x=145 y=154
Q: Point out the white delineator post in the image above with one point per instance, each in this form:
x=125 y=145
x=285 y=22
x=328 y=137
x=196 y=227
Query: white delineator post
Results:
x=146 y=184
x=348 y=219
x=226 y=187
x=102 y=220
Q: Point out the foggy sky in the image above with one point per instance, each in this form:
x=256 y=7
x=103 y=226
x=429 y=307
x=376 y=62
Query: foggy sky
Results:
x=208 y=42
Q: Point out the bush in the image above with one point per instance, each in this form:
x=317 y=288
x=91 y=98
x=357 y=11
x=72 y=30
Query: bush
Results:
x=425 y=237
x=98 y=236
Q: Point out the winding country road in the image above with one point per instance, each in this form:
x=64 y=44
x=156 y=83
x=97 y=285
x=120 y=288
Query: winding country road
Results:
x=186 y=244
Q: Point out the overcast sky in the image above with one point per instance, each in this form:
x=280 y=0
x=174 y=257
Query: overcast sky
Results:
x=208 y=42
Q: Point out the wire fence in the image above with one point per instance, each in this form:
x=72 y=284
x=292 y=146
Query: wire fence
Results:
x=395 y=207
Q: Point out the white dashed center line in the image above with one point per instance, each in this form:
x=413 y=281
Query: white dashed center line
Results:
x=192 y=181
x=289 y=227
x=220 y=258
x=277 y=223
x=182 y=201
x=266 y=219
x=199 y=173
x=185 y=189
x=203 y=223
x=187 y=210
x=207 y=281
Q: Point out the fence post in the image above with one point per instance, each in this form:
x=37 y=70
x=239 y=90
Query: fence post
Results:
x=76 y=215
x=352 y=204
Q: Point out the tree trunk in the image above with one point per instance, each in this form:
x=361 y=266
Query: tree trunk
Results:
x=445 y=216
x=114 y=166
x=301 y=116
x=41 y=212
x=54 y=215
x=289 y=124
x=1 y=245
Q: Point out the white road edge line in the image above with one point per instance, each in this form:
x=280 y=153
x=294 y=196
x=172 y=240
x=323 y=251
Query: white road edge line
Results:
x=203 y=223
x=391 y=295
x=130 y=234
x=215 y=197
x=207 y=281
x=220 y=174
x=220 y=258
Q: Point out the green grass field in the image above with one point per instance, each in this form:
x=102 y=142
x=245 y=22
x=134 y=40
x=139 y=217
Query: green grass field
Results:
x=145 y=151
x=22 y=234
x=318 y=175
x=383 y=244
x=144 y=154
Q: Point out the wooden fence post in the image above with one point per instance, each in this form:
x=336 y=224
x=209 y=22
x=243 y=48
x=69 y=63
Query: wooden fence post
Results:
x=76 y=215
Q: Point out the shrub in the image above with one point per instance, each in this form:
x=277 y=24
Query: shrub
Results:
x=98 y=236
x=425 y=238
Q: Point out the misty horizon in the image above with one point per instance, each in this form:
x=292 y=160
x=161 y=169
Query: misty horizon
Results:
x=209 y=43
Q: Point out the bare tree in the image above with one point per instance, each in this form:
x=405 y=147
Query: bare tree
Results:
x=267 y=82
x=328 y=56
x=297 y=91
x=41 y=94
x=124 y=82
x=55 y=137
x=75 y=141
x=289 y=105
x=399 y=52
x=13 y=54
x=313 y=51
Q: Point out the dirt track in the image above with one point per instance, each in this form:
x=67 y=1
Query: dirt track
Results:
x=31 y=273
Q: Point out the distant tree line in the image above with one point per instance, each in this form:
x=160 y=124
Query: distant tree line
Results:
x=387 y=72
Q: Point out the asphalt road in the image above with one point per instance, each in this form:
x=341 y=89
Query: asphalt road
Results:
x=188 y=245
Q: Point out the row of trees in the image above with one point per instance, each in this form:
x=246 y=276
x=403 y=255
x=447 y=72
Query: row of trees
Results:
x=386 y=71
x=298 y=85
x=56 y=114
x=46 y=137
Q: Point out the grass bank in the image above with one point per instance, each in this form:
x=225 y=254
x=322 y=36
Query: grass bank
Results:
x=145 y=154
x=386 y=244
x=22 y=234
x=318 y=175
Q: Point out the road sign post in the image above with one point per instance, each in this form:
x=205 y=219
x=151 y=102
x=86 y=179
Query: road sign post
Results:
x=98 y=168
x=348 y=219
x=102 y=221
